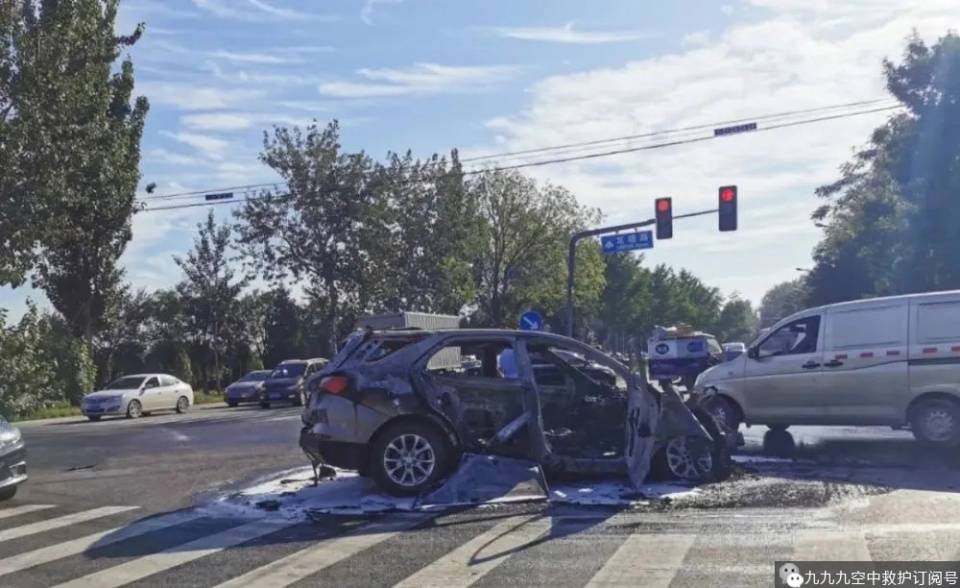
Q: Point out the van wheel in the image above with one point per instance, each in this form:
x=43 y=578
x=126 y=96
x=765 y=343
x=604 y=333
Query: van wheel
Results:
x=408 y=458
x=936 y=420
x=724 y=411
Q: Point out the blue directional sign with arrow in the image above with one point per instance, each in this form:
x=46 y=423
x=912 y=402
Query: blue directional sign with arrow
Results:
x=531 y=321
x=627 y=242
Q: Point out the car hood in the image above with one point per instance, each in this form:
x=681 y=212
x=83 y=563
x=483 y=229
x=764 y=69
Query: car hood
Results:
x=100 y=394
x=281 y=382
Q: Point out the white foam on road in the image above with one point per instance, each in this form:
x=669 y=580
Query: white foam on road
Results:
x=142 y=567
x=617 y=493
x=64 y=521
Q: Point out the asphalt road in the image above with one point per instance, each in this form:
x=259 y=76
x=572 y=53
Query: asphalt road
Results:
x=123 y=503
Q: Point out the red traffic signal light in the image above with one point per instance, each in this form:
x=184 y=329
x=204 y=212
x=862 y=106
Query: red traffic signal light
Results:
x=663 y=209
x=727 y=208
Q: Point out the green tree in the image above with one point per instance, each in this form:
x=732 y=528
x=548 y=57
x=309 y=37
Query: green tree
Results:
x=783 y=300
x=893 y=218
x=70 y=152
x=737 y=320
x=211 y=292
x=522 y=255
x=27 y=367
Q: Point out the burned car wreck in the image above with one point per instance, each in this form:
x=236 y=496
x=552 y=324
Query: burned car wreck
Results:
x=406 y=407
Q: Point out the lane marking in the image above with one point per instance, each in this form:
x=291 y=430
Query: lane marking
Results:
x=64 y=521
x=633 y=561
x=77 y=546
x=149 y=565
x=831 y=545
x=316 y=558
x=479 y=556
x=19 y=510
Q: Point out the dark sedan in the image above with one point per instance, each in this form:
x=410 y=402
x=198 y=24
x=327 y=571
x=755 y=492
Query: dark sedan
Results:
x=246 y=389
x=13 y=464
x=285 y=384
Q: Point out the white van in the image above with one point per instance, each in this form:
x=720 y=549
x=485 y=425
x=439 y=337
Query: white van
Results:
x=882 y=361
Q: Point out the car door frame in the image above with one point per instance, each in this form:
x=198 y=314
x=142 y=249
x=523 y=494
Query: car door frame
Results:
x=151 y=398
x=784 y=389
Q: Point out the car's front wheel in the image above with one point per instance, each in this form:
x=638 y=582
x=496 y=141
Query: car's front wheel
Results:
x=183 y=404
x=232 y=403
x=936 y=420
x=94 y=418
x=409 y=458
x=134 y=409
x=8 y=492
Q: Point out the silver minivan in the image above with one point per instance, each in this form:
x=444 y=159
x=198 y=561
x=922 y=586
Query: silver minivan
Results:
x=881 y=361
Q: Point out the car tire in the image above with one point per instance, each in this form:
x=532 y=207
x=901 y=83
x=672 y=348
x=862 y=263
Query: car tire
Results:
x=779 y=443
x=183 y=404
x=264 y=404
x=409 y=440
x=8 y=492
x=134 y=409
x=936 y=421
x=94 y=418
x=725 y=411
x=232 y=403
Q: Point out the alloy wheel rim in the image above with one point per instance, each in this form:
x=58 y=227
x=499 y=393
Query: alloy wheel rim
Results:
x=182 y=403
x=686 y=460
x=135 y=408
x=939 y=425
x=409 y=460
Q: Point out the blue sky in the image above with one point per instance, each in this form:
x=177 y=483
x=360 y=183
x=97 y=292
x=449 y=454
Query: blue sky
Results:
x=499 y=75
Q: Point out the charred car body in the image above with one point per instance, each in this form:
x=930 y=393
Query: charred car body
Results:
x=400 y=407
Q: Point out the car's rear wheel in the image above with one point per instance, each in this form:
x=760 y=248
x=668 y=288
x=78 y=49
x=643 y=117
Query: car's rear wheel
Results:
x=409 y=458
x=94 y=418
x=134 y=409
x=936 y=420
x=8 y=492
x=183 y=404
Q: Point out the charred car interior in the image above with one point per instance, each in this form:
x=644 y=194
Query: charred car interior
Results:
x=406 y=407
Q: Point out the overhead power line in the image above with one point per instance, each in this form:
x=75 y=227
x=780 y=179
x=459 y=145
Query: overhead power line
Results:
x=576 y=146
x=587 y=156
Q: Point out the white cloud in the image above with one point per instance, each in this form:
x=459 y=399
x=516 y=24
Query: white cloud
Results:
x=788 y=60
x=421 y=78
x=366 y=13
x=258 y=58
x=256 y=10
x=186 y=96
x=210 y=147
x=218 y=121
x=567 y=34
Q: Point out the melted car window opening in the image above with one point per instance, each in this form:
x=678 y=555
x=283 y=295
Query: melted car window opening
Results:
x=493 y=360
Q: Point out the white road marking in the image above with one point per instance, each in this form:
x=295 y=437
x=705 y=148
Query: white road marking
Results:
x=149 y=565
x=299 y=565
x=64 y=521
x=478 y=557
x=847 y=544
x=632 y=562
x=66 y=549
x=19 y=510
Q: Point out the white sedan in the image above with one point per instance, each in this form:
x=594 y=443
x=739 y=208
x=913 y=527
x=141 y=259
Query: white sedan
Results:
x=137 y=394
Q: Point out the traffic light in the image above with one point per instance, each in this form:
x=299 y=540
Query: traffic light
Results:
x=664 y=214
x=727 y=208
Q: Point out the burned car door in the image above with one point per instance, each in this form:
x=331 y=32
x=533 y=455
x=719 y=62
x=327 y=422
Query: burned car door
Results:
x=483 y=398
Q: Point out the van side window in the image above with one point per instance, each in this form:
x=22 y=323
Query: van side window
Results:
x=799 y=336
x=938 y=322
x=873 y=326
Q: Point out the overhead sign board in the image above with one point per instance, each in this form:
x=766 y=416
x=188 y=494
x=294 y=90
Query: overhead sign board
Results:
x=627 y=242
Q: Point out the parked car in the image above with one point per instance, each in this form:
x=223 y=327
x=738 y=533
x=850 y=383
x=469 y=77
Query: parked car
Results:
x=882 y=361
x=285 y=383
x=733 y=350
x=400 y=407
x=246 y=389
x=136 y=395
x=13 y=460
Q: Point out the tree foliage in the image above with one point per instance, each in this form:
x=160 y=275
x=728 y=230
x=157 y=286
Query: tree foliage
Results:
x=893 y=217
x=783 y=300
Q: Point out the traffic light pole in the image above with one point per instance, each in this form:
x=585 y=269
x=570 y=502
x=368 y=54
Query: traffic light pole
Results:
x=572 y=254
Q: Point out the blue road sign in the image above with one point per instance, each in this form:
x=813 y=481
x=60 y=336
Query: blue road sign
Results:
x=627 y=242
x=531 y=321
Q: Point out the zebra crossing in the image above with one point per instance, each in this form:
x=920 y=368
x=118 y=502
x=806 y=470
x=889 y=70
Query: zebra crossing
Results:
x=112 y=546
